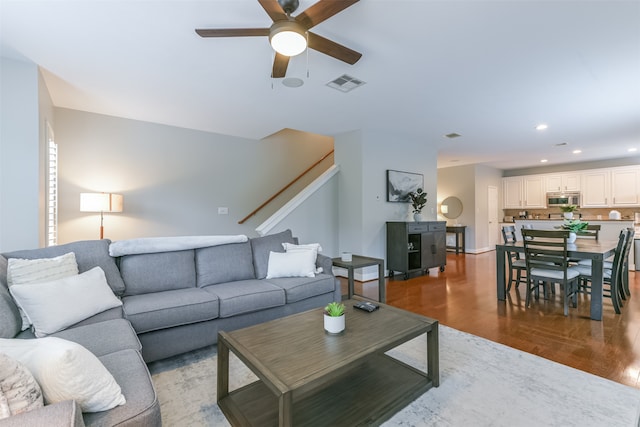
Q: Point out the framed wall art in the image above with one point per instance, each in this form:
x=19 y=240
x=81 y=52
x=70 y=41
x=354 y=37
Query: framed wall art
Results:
x=400 y=184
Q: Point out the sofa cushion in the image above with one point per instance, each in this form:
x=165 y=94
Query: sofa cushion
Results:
x=103 y=337
x=53 y=306
x=261 y=246
x=89 y=254
x=142 y=407
x=66 y=370
x=224 y=263
x=291 y=264
x=157 y=272
x=161 y=310
x=246 y=296
x=10 y=321
x=299 y=288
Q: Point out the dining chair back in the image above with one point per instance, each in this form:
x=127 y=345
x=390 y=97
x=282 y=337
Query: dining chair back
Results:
x=547 y=262
x=592 y=231
x=517 y=264
x=611 y=277
x=624 y=270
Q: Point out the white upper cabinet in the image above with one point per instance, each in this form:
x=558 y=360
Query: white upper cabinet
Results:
x=534 y=194
x=523 y=192
x=562 y=182
x=512 y=192
x=625 y=185
x=596 y=188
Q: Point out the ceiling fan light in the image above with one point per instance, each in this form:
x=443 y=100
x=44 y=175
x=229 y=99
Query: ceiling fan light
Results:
x=287 y=38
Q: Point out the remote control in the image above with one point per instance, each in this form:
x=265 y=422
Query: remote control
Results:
x=366 y=306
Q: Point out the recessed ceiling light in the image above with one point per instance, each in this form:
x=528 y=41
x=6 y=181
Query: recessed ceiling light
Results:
x=541 y=126
x=577 y=151
x=631 y=150
x=544 y=161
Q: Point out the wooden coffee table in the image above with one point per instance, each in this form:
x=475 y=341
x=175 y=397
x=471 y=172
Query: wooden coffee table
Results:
x=307 y=377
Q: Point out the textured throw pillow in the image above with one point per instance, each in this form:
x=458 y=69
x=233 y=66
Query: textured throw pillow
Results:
x=66 y=370
x=291 y=264
x=30 y=271
x=53 y=306
x=19 y=391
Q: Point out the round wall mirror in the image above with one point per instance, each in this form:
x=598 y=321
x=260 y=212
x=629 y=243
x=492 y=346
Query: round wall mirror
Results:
x=451 y=207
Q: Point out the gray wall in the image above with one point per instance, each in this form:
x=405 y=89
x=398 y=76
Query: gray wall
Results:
x=173 y=179
x=25 y=108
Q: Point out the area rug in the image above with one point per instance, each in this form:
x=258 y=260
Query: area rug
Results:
x=482 y=383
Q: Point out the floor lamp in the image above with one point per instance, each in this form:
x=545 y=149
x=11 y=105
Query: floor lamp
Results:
x=101 y=202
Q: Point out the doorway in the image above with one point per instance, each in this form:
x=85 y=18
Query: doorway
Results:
x=494 y=225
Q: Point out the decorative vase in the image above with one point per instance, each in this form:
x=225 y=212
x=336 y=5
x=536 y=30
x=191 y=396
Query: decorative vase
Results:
x=334 y=325
x=568 y=215
x=417 y=217
x=572 y=237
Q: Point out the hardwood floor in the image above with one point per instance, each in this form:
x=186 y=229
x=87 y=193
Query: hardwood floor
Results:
x=464 y=297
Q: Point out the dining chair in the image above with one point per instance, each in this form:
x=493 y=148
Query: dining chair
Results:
x=516 y=264
x=624 y=270
x=611 y=277
x=547 y=262
x=592 y=231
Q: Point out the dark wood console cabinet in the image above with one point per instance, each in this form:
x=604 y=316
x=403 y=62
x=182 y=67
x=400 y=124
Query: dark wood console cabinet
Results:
x=416 y=246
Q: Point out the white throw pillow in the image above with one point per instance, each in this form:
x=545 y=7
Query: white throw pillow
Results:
x=53 y=306
x=28 y=271
x=66 y=370
x=19 y=391
x=314 y=247
x=291 y=264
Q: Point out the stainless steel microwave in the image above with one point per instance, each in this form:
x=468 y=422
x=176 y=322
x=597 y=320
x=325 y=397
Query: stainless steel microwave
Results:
x=563 y=199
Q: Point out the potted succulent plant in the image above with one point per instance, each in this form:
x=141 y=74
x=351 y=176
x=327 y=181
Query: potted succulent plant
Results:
x=334 y=318
x=418 y=201
x=568 y=210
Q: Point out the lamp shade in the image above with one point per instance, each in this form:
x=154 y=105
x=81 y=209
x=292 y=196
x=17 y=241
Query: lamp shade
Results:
x=101 y=202
x=288 y=38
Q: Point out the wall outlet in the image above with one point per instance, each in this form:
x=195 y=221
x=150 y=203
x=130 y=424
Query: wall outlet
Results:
x=223 y=211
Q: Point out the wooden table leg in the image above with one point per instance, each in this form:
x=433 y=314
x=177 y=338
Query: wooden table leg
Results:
x=285 y=404
x=500 y=274
x=596 y=289
x=381 y=283
x=350 y=275
x=223 y=370
x=433 y=355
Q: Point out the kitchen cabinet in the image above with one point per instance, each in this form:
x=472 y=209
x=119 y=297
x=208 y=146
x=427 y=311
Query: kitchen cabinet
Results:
x=625 y=186
x=596 y=188
x=524 y=192
x=416 y=246
x=615 y=187
x=562 y=182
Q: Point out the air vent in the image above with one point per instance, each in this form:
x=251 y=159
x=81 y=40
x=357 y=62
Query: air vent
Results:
x=453 y=135
x=345 y=83
x=560 y=144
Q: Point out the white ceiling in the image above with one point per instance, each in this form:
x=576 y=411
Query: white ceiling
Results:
x=488 y=70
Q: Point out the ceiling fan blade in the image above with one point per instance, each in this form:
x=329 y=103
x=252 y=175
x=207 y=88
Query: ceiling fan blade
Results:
x=273 y=9
x=322 y=11
x=334 y=49
x=233 y=32
x=280 y=64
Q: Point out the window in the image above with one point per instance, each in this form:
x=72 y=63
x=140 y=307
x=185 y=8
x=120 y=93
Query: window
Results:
x=51 y=173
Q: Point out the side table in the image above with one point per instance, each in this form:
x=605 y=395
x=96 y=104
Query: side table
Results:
x=359 y=261
x=459 y=231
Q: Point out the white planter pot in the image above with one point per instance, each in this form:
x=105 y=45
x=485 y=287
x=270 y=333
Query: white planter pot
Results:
x=417 y=217
x=334 y=325
x=568 y=215
x=572 y=238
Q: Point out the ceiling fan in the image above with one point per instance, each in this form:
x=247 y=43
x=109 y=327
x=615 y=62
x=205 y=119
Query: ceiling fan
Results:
x=294 y=30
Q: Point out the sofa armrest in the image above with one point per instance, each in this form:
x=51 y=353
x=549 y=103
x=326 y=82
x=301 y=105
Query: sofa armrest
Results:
x=61 y=414
x=326 y=264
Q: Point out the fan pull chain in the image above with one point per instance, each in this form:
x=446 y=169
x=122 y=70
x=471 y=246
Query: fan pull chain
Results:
x=307 y=34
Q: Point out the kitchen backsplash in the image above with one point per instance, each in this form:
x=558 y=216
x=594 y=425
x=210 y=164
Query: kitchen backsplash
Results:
x=586 y=213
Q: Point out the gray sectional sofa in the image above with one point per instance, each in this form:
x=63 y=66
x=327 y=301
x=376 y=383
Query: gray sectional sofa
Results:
x=173 y=302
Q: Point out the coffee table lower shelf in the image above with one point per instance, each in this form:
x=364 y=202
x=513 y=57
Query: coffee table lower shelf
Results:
x=367 y=395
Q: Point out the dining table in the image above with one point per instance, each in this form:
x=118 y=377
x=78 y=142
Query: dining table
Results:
x=595 y=250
